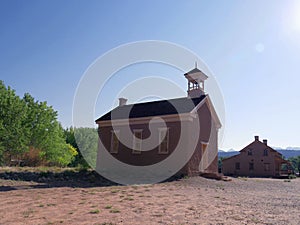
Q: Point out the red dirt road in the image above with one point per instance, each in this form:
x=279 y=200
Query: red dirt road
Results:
x=189 y=201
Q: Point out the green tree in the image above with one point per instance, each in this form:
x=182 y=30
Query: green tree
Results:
x=55 y=149
x=41 y=123
x=28 y=126
x=220 y=163
x=70 y=139
x=87 y=143
x=12 y=131
x=1 y=145
x=295 y=161
x=45 y=133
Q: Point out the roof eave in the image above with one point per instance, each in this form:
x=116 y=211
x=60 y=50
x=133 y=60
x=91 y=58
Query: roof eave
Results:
x=212 y=110
x=168 y=118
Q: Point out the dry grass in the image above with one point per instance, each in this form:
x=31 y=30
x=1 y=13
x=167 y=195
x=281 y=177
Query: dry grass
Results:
x=188 y=201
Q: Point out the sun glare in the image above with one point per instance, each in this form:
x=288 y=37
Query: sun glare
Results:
x=295 y=17
x=291 y=21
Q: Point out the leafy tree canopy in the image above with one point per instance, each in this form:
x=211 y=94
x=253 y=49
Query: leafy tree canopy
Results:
x=27 y=124
x=295 y=161
x=85 y=140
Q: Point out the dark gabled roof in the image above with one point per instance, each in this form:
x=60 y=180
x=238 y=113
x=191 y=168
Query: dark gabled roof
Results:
x=195 y=70
x=155 y=108
x=231 y=157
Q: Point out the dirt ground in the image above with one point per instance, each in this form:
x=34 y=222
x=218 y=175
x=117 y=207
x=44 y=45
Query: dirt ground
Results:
x=188 y=201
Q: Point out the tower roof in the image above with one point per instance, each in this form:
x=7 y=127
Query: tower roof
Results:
x=195 y=70
x=195 y=75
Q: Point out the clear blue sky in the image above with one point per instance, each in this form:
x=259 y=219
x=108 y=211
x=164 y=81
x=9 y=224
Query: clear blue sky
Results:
x=252 y=47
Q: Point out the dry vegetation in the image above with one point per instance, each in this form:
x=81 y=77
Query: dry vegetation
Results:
x=189 y=201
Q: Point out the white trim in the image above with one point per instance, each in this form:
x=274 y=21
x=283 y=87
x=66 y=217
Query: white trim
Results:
x=137 y=141
x=212 y=110
x=113 y=133
x=194 y=111
x=160 y=130
x=167 y=118
x=204 y=154
x=163 y=128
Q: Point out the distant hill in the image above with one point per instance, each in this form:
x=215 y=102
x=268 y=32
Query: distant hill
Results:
x=289 y=153
x=286 y=153
x=287 y=148
x=224 y=154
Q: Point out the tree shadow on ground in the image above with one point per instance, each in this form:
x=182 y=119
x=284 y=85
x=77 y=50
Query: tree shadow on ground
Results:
x=74 y=179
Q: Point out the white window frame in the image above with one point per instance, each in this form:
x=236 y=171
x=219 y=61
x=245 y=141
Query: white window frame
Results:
x=204 y=153
x=137 y=141
x=114 y=133
x=166 y=139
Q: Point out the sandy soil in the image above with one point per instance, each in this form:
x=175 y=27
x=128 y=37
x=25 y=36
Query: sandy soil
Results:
x=189 y=201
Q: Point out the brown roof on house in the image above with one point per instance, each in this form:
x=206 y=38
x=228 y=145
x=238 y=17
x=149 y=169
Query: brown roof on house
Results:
x=231 y=157
x=278 y=154
x=195 y=70
x=155 y=108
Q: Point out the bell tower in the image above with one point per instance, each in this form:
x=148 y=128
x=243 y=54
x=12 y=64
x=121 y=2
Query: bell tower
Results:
x=196 y=80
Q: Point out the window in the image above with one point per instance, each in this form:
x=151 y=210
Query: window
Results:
x=204 y=155
x=266 y=152
x=267 y=166
x=203 y=146
x=249 y=151
x=164 y=141
x=237 y=166
x=137 y=142
x=251 y=166
x=114 y=143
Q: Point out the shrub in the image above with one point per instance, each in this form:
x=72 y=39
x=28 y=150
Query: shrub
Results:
x=292 y=176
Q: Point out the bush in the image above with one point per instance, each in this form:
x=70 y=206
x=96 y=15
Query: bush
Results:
x=292 y=176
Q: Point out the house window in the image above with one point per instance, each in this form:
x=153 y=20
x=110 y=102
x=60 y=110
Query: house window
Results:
x=114 y=143
x=251 y=166
x=237 y=166
x=203 y=146
x=249 y=151
x=137 y=142
x=267 y=166
x=266 y=152
x=164 y=141
x=204 y=155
